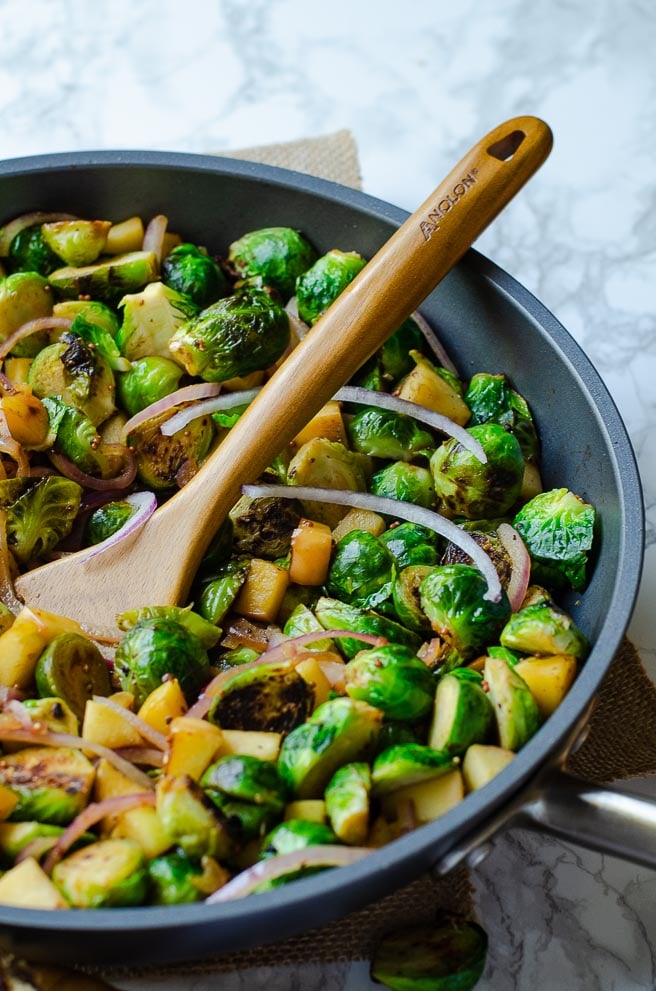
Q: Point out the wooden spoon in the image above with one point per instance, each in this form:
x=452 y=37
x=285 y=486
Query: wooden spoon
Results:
x=156 y=566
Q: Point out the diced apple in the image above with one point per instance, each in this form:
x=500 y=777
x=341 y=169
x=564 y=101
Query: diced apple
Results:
x=108 y=728
x=253 y=743
x=327 y=423
x=164 y=704
x=430 y=799
x=8 y=802
x=310 y=809
x=124 y=237
x=424 y=386
x=28 y=886
x=194 y=743
x=262 y=593
x=311 y=672
x=22 y=644
x=482 y=763
x=359 y=519
x=548 y=678
x=312 y=545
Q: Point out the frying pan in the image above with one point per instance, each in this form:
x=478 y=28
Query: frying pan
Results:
x=488 y=322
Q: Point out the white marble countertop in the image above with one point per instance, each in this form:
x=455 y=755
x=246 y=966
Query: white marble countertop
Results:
x=416 y=85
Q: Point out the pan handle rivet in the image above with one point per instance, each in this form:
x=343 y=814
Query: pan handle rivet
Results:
x=478 y=855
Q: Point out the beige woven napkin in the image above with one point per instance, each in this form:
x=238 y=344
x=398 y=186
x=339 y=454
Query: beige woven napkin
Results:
x=621 y=742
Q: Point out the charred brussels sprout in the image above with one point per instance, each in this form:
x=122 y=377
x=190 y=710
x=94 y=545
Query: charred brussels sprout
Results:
x=273 y=698
x=30 y=252
x=106 y=520
x=275 y=256
x=449 y=956
x=347 y=802
x=247 y=779
x=107 y=874
x=295 y=834
x=336 y=615
x=72 y=668
x=491 y=400
x=107 y=280
x=52 y=784
x=192 y=272
x=453 y=598
x=408 y=483
x=558 y=530
x=406 y=598
x=411 y=543
x=77 y=438
x=158 y=647
x=264 y=527
x=240 y=334
x=383 y=433
x=320 y=286
x=72 y=373
x=164 y=462
x=543 y=628
x=148 y=380
x=361 y=571
x=41 y=517
x=490 y=542
x=190 y=819
x=391 y=679
x=338 y=732
x=468 y=488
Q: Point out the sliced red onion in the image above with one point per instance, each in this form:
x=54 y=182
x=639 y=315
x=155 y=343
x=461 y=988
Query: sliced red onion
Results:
x=36 y=848
x=328 y=855
x=334 y=672
x=520 y=560
x=18 y=710
x=89 y=817
x=188 y=394
x=33 y=327
x=70 y=470
x=390 y=507
x=228 y=400
x=299 y=327
x=369 y=397
x=143 y=505
x=142 y=755
x=10 y=446
x=143 y=728
x=287 y=651
x=434 y=342
x=154 y=236
x=18 y=224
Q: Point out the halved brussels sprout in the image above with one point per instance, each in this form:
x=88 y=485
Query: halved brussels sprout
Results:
x=72 y=668
x=362 y=570
x=52 y=784
x=544 y=628
x=205 y=632
x=72 y=373
x=447 y=956
x=558 y=530
x=408 y=483
x=24 y=296
x=174 y=879
x=247 y=779
x=466 y=487
x=107 y=874
x=77 y=438
x=490 y=542
x=30 y=252
x=106 y=520
x=106 y=280
x=158 y=647
x=190 y=818
x=411 y=543
x=245 y=820
x=492 y=400
x=41 y=517
x=92 y=310
x=264 y=527
x=321 y=284
x=407 y=764
x=463 y=713
x=515 y=709
x=302 y=620
x=336 y=615
x=383 y=433
x=295 y=834
x=328 y=464
x=347 y=802
x=407 y=600
x=164 y=462
x=192 y=272
x=76 y=242
x=148 y=380
x=150 y=319
x=272 y=698
x=274 y=256
x=53 y=713
x=218 y=594
x=391 y=679
x=453 y=598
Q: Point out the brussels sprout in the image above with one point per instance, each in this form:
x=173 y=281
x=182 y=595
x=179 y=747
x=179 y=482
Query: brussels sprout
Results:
x=452 y=596
x=218 y=552
x=163 y=462
x=463 y=712
x=336 y=615
x=190 y=819
x=361 y=571
x=240 y=334
x=245 y=820
x=24 y=296
x=192 y=272
x=76 y=376
x=276 y=256
x=106 y=520
x=107 y=280
x=392 y=679
x=92 y=310
x=407 y=764
x=383 y=433
x=406 y=598
x=468 y=488
x=72 y=668
x=515 y=709
x=174 y=879
x=509 y=656
x=558 y=530
x=100 y=340
x=544 y=629
x=320 y=285
x=155 y=648
x=77 y=438
x=14 y=837
x=491 y=400
x=338 y=732
x=264 y=527
x=448 y=956
x=408 y=483
x=302 y=620
x=150 y=319
x=41 y=517
x=347 y=802
x=148 y=380
x=30 y=252
x=295 y=834
x=240 y=655
x=396 y=353
x=392 y=734
x=107 y=874
x=411 y=543
x=330 y=465
x=248 y=779
x=76 y=242
x=53 y=713
x=205 y=632
x=219 y=593
x=52 y=784
x=493 y=547
x=272 y=697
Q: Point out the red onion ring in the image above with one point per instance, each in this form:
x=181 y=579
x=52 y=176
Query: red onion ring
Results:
x=18 y=224
x=299 y=327
x=89 y=817
x=369 y=397
x=520 y=560
x=154 y=236
x=143 y=728
x=433 y=342
x=66 y=467
x=329 y=855
x=227 y=401
x=144 y=505
x=33 y=327
x=11 y=447
x=390 y=507
x=142 y=755
x=188 y=393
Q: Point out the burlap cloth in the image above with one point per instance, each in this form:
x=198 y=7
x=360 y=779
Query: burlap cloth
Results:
x=621 y=742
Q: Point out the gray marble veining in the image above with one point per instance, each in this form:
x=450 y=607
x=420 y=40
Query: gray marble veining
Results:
x=416 y=84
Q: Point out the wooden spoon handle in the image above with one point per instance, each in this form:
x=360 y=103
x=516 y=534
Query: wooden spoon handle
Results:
x=386 y=291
